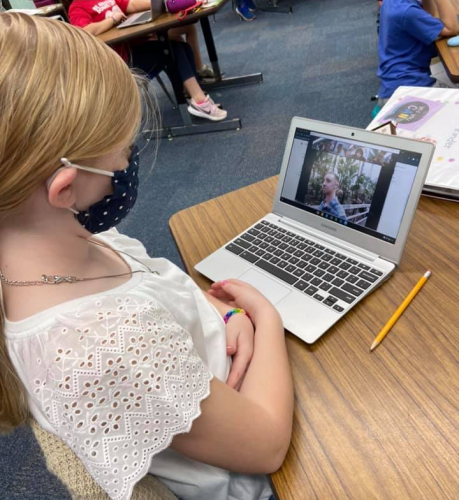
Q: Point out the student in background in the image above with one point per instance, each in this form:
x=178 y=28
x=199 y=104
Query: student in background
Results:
x=407 y=31
x=121 y=356
x=98 y=16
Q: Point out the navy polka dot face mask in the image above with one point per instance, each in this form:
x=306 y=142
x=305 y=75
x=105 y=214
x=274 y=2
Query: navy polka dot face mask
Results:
x=110 y=211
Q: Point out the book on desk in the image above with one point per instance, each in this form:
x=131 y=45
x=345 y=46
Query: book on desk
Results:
x=429 y=114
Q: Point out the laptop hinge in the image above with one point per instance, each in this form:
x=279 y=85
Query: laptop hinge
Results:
x=330 y=240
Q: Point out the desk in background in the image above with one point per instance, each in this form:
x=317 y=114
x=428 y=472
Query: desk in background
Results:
x=160 y=26
x=380 y=426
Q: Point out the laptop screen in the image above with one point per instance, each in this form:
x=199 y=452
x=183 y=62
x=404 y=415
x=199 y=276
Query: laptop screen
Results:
x=357 y=184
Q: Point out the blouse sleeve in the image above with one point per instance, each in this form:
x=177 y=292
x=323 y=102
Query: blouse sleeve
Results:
x=118 y=381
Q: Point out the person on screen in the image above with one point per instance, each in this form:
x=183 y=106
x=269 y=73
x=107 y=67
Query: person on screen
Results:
x=331 y=205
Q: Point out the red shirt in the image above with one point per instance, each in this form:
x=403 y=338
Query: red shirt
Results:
x=84 y=12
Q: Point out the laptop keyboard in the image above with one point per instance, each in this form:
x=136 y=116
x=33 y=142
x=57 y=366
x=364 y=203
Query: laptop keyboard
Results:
x=322 y=273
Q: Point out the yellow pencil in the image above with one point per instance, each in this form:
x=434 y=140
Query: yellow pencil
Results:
x=400 y=310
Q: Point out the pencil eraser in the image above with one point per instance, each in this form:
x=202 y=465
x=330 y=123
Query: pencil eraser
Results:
x=454 y=42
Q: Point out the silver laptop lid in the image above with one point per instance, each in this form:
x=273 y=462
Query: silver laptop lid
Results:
x=358 y=186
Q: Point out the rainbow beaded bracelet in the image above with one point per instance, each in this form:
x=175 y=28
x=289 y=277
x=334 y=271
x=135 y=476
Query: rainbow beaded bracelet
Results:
x=231 y=312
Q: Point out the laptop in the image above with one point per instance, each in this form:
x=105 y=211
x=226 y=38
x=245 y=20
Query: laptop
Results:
x=343 y=207
x=157 y=8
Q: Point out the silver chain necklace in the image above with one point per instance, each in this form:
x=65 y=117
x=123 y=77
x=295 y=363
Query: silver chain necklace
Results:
x=57 y=279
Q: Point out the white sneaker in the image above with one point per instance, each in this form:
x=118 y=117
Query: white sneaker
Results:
x=208 y=110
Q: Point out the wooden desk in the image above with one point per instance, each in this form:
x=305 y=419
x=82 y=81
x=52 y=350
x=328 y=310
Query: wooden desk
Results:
x=160 y=26
x=449 y=57
x=380 y=426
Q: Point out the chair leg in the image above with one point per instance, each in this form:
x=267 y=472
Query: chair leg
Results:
x=163 y=86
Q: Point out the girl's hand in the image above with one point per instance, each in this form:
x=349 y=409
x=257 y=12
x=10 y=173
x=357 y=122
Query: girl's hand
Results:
x=237 y=293
x=118 y=17
x=239 y=345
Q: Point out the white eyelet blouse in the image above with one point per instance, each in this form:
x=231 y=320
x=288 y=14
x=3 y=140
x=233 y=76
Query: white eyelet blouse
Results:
x=116 y=375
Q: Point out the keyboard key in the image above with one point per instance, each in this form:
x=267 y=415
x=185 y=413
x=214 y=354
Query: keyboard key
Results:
x=354 y=270
x=319 y=272
x=298 y=273
x=278 y=273
x=301 y=285
x=282 y=264
x=290 y=233
x=375 y=271
x=307 y=257
x=363 y=284
x=285 y=256
x=318 y=297
x=367 y=276
x=338 y=308
x=316 y=281
x=275 y=260
x=337 y=282
x=308 y=277
x=341 y=256
x=260 y=227
x=352 y=289
x=310 y=268
x=247 y=237
x=269 y=239
x=363 y=266
x=352 y=261
x=276 y=242
x=262 y=244
x=290 y=249
x=343 y=295
x=333 y=269
x=325 y=286
x=301 y=246
x=278 y=252
x=318 y=253
x=242 y=243
x=324 y=265
x=290 y=268
x=257 y=241
x=249 y=256
x=282 y=230
x=335 y=261
x=298 y=253
x=311 y=290
x=314 y=261
x=332 y=299
x=283 y=246
x=264 y=222
x=320 y=247
x=252 y=248
x=328 y=277
x=234 y=248
x=286 y=239
x=302 y=264
x=269 y=248
x=294 y=243
x=294 y=260
x=342 y=274
x=352 y=279
x=326 y=257
x=330 y=252
x=309 y=242
x=253 y=232
x=260 y=253
x=344 y=265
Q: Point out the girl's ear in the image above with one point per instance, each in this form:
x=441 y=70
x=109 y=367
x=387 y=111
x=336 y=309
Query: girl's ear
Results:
x=61 y=189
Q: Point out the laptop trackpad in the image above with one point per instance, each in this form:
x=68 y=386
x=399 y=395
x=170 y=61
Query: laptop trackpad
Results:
x=271 y=289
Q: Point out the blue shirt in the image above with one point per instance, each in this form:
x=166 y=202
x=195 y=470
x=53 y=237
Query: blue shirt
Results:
x=406 y=35
x=334 y=208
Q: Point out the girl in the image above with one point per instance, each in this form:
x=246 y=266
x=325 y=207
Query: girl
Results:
x=98 y=16
x=118 y=354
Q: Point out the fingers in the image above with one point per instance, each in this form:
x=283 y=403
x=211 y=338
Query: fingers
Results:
x=241 y=359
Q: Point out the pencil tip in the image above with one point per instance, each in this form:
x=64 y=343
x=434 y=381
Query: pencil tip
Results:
x=373 y=345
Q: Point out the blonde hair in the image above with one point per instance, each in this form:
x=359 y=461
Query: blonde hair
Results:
x=63 y=93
